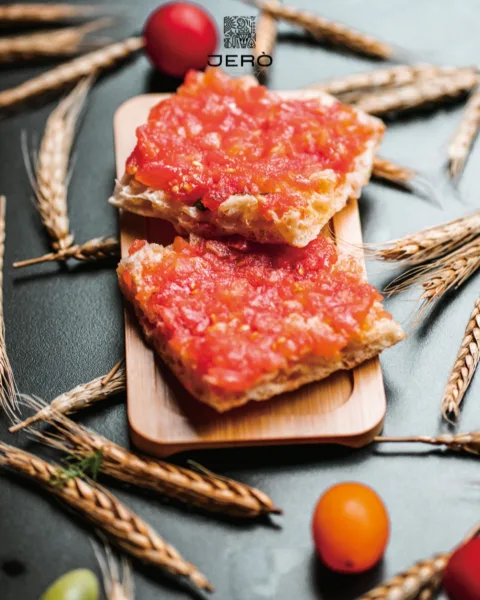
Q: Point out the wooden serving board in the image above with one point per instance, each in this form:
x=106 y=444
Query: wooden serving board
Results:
x=347 y=408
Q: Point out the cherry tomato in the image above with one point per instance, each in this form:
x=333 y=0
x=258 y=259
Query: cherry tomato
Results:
x=179 y=36
x=461 y=579
x=350 y=528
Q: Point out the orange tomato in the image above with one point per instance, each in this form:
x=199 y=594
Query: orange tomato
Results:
x=350 y=528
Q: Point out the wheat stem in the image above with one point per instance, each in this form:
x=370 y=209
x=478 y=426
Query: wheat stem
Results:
x=96 y=504
x=57 y=42
x=70 y=72
x=43 y=13
x=8 y=389
x=432 y=90
x=266 y=35
x=78 y=398
x=327 y=30
x=465 y=134
x=103 y=248
x=459 y=442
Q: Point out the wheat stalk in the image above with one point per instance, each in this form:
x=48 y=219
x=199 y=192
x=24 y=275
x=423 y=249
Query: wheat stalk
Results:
x=51 y=43
x=465 y=135
x=8 y=389
x=427 y=244
x=464 y=367
x=113 y=371
x=459 y=442
x=70 y=72
x=383 y=78
x=122 y=526
x=43 y=13
x=421 y=581
x=49 y=175
x=266 y=35
x=444 y=274
x=78 y=398
x=326 y=30
x=102 y=248
x=432 y=90
x=117 y=581
x=200 y=488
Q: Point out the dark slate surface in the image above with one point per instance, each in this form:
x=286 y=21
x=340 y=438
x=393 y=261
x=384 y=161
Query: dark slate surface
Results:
x=65 y=326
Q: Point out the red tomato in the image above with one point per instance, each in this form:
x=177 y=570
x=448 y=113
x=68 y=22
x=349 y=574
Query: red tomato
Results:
x=179 y=36
x=461 y=579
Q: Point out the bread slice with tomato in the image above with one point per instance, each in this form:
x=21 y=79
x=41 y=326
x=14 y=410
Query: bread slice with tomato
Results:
x=225 y=156
x=237 y=321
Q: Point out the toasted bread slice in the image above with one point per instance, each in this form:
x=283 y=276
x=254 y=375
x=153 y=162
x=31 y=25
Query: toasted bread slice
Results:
x=373 y=332
x=245 y=214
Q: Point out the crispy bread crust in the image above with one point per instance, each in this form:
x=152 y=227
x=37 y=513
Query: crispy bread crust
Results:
x=381 y=333
x=240 y=214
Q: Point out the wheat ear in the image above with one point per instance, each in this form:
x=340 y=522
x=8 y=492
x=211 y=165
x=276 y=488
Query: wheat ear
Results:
x=117 y=579
x=435 y=90
x=49 y=175
x=200 y=488
x=70 y=72
x=439 y=277
x=103 y=248
x=383 y=78
x=464 y=367
x=8 y=389
x=43 y=13
x=78 y=398
x=427 y=244
x=52 y=43
x=420 y=581
x=465 y=135
x=101 y=508
x=327 y=30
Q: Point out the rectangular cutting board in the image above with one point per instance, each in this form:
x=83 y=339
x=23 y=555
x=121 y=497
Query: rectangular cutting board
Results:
x=347 y=408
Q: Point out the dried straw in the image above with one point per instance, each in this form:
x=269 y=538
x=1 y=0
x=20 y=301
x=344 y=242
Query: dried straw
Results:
x=459 y=442
x=70 y=72
x=434 y=90
x=43 y=13
x=266 y=35
x=421 y=581
x=427 y=244
x=52 y=43
x=444 y=274
x=80 y=397
x=117 y=580
x=102 y=248
x=383 y=78
x=200 y=488
x=8 y=389
x=464 y=367
x=329 y=31
x=123 y=527
x=50 y=172
x=465 y=134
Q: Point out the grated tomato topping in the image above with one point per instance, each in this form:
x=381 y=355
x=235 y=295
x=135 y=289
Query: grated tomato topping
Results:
x=236 y=310
x=219 y=136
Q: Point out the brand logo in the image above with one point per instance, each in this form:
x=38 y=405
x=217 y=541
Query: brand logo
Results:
x=240 y=33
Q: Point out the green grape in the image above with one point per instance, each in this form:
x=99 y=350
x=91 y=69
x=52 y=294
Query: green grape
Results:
x=80 y=584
